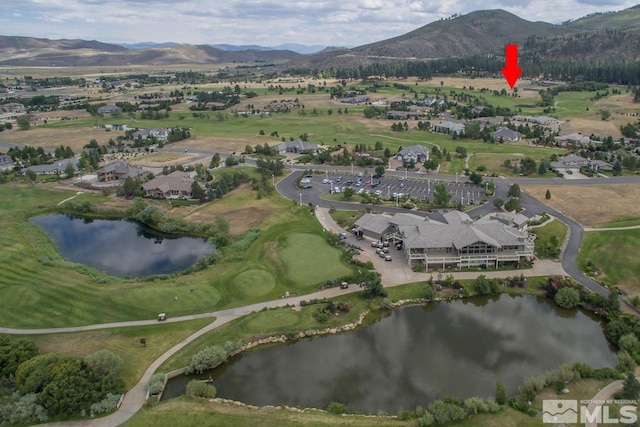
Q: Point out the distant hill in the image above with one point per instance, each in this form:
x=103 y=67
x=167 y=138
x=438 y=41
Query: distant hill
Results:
x=28 y=51
x=603 y=37
x=628 y=19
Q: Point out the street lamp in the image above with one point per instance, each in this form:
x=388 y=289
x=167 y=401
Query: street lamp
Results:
x=273 y=180
x=351 y=168
x=300 y=199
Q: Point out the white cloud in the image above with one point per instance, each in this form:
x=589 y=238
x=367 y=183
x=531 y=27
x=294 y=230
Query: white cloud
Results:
x=269 y=22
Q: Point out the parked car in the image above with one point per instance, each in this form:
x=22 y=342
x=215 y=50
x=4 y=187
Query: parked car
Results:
x=306 y=187
x=387 y=258
x=339 y=179
x=325 y=181
x=423 y=199
x=378 y=192
x=402 y=178
x=162 y=317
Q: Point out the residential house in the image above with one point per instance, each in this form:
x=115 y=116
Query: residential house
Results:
x=161 y=134
x=571 y=139
x=6 y=162
x=57 y=168
x=119 y=171
x=539 y=120
x=176 y=185
x=573 y=163
x=456 y=242
x=12 y=107
x=403 y=115
x=506 y=135
x=356 y=100
x=108 y=109
x=297 y=146
x=416 y=153
x=449 y=128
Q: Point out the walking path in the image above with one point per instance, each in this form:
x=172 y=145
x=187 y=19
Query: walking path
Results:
x=70 y=198
x=604 y=394
x=631 y=227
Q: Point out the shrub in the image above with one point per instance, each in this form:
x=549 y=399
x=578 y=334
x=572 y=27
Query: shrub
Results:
x=108 y=404
x=211 y=357
x=337 y=408
x=443 y=412
x=201 y=389
x=154 y=386
x=426 y=420
x=567 y=297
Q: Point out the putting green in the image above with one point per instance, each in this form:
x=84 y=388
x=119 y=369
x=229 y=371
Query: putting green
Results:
x=311 y=260
x=254 y=282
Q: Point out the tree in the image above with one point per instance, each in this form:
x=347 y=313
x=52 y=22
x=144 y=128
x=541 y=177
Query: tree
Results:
x=567 y=297
x=547 y=195
x=197 y=192
x=348 y=193
x=472 y=130
x=475 y=178
x=605 y=114
x=514 y=190
x=431 y=164
x=630 y=387
x=371 y=283
x=441 y=196
x=617 y=168
x=215 y=161
x=70 y=170
x=542 y=168
x=24 y=124
x=103 y=363
x=13 y=353
x=380 y=170
x=513 y=204
x=498 y=202
x=501 y=393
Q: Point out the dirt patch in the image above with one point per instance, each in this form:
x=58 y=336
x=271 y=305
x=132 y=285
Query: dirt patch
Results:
x=213 y=143
x=76 y=138
x=160 y=159
x=240 y=208
x=591 y=205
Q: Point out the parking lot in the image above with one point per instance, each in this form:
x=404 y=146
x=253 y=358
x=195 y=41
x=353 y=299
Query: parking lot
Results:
x=392 y=187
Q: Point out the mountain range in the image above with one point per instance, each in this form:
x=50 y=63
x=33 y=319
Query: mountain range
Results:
x=602 y=37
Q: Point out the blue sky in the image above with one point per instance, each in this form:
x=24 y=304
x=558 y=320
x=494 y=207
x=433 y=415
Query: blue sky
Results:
x=261 y=22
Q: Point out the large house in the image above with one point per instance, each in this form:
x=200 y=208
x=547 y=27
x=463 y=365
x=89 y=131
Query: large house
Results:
x=576 y=139
x=449 y=128
x=415 y=153
x=57 y=168
x=6 y=162
x=297 y=146
x=176 y=185
x=457 y=241
x=108 y=109
x=573 y=163
x=119 y=171
x=506 y=135
x=158 y=133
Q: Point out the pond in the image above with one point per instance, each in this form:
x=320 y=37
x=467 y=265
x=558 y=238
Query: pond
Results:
x=121 y=247
x=416 y=355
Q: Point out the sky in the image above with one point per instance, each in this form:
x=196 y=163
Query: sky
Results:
x=345 y=23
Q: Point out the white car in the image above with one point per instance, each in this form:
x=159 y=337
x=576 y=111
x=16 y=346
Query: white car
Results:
x=378 y=192
x=325 y=181
x=402 y=178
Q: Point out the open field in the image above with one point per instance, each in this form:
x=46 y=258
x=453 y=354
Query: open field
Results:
x=160 y=159
x=615 y=256
x=592 y=205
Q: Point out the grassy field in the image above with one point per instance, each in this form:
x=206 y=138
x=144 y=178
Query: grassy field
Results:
x=187 y=411
x=591 y=205
x=40 y=289
x=615 y=255
x=124 y=342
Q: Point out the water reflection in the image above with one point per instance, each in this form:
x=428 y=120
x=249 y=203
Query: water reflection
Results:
x=121 y=247
x=414 y=356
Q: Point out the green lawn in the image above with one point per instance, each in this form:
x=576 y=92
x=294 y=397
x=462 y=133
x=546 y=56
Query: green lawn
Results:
x=554 y=229
x=615 y=255
x=309 y=260
x=39 y=288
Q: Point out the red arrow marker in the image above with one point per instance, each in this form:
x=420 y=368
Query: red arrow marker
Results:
x=511 y=72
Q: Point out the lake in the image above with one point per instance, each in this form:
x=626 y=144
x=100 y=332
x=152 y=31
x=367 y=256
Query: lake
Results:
x=121 y=247
x=416 y=355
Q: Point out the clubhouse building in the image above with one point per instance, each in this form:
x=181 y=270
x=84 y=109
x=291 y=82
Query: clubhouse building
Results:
x=456 y=241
